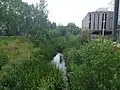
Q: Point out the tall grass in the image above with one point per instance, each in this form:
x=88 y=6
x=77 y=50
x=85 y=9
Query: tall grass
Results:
x=28 y=68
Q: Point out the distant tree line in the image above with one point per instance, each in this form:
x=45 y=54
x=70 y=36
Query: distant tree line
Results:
x=19 y=18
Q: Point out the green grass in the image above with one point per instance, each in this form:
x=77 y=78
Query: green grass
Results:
x=16 y=49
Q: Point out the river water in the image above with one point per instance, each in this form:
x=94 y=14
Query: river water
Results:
x=59 y=61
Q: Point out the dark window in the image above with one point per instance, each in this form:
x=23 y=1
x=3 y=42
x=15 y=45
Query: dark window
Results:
x=102 y=20
x=94 y=22
x=89 y=21
x=105 y=16
x=89 y=17
x=104 y=25
x=98 y=21
x=105 y=20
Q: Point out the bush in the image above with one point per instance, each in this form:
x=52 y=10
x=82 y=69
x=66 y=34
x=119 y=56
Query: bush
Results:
x=33 y=74
x=85 y=36
x=36 y=73
x=95 y=66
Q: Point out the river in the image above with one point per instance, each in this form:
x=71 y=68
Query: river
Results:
x=59 y=61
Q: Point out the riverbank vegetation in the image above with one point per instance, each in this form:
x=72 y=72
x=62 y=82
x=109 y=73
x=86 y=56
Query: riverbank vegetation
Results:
x=29 y=41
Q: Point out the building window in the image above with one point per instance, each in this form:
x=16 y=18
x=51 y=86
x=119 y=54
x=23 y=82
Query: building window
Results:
x=98 y=21
x=89 y=21
x=94 y=22
x=102 y=20
x=105 y=16
x=105 y=20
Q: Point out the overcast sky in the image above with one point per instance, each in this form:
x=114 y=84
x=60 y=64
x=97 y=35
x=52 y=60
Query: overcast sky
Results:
x=65 y=11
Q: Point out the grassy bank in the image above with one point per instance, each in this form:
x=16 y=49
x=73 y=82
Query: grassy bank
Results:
x=13 y=50
x=25 y=67
x=16 y=48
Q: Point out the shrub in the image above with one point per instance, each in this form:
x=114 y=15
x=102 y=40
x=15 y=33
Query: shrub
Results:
x=95 y=66
x=36 y=73
x=33 y=74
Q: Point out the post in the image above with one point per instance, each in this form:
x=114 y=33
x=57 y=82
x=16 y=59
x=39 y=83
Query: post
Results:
x=116 y=11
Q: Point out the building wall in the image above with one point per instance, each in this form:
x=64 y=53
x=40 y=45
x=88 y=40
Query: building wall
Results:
x=100 y=21
x=92 y=21
x=96 y=20
x=110 y=21
x=85 y=22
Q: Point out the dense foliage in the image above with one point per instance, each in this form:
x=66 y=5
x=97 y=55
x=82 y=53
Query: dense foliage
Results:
x=19 y=18
x=25 y=57
x=34 y=71
x=94 y=66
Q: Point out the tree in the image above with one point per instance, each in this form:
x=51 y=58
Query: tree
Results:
x=54 y=26
x=73 y=29
x=20 y=18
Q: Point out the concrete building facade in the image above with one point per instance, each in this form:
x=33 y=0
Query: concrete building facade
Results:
x=99 y=22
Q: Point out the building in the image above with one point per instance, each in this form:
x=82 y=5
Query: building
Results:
x=99 y=22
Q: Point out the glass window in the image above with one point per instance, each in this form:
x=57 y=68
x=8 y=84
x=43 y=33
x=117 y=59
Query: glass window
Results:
x=94 y=22
x=89 y=21
x=102 y=20
x=105 y=20
x=105 y=16
x=98 y=21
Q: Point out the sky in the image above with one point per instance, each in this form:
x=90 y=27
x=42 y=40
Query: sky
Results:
x=65 y=11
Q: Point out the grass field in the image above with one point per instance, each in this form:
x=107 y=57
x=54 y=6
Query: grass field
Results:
x=13 y=52
x=16 y=49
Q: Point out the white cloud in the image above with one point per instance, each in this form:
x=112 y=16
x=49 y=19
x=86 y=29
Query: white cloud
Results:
x=64 y=11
